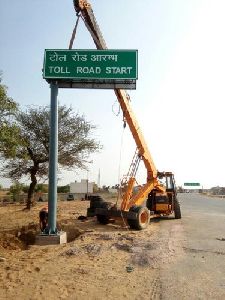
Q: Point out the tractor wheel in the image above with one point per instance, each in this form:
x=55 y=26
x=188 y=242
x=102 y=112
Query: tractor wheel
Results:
x=143 y=218
x=177 y=211
x=102 y=219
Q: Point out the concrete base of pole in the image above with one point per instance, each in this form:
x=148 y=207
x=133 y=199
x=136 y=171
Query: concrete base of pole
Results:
x=51 y=239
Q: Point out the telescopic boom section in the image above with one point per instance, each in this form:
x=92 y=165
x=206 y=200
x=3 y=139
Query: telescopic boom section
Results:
x=83 y=7
x=136 y=132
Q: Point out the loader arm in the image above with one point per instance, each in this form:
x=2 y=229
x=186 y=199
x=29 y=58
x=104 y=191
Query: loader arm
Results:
x=84 y=8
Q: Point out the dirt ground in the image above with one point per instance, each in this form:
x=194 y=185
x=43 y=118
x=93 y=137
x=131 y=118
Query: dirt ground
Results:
x=98 y=262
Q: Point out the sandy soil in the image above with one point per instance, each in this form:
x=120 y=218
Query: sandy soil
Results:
x=98 y=262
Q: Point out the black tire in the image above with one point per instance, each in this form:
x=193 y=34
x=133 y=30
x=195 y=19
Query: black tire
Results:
x=177 y=211
x=90 y=212
x=94 y=197
x=96 y=201
x=96 y=204
x=103 y=219
x=143 y=218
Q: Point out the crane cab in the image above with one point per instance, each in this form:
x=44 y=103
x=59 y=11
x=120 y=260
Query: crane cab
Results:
x=163 y=203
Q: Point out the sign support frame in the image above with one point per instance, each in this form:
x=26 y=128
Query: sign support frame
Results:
x=55 y=84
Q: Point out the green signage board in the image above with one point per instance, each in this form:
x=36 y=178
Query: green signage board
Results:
x=191 y=184
x=90 y=64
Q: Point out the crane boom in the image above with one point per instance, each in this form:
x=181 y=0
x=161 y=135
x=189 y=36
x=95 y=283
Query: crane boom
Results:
x=84 y=8
x=144 y=153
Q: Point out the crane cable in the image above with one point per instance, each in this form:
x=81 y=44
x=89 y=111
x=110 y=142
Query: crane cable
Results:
x=74 y=32
x=119 y=176
x=117 y=114
x=119 y=167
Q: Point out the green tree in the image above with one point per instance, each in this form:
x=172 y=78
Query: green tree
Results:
x=41 y=187
x=8 y=129
x=63 y=189
x=15 y=189
x=75 y=144
x=7 y=105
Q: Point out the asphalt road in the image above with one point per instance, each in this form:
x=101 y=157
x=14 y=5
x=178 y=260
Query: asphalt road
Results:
x=195 y=251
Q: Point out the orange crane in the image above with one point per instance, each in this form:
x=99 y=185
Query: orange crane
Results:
x=153 y=198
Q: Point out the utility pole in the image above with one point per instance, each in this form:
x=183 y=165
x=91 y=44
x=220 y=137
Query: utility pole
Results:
x=87 y=185
x=99 y=179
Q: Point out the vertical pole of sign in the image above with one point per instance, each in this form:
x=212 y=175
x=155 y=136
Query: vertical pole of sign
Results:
x=53 y=160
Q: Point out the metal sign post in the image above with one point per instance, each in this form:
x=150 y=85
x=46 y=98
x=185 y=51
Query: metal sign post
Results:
x=53 y=160
x=51 y=235
x=79 y=69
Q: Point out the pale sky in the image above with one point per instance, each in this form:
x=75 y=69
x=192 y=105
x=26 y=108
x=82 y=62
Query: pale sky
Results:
x=179 y=100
